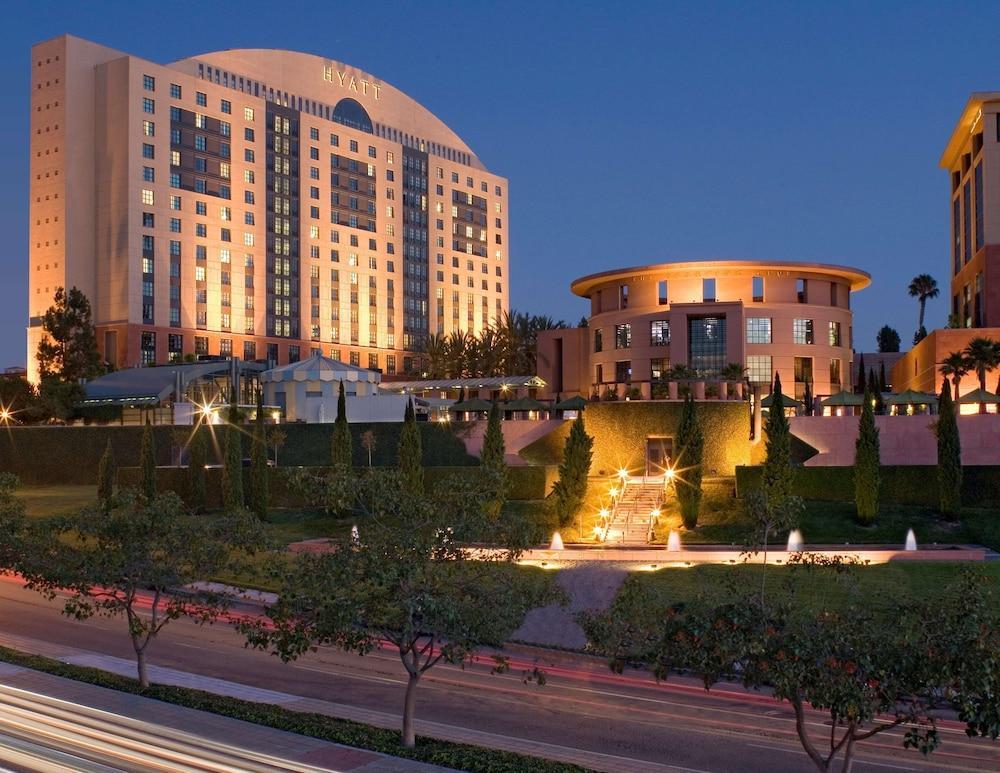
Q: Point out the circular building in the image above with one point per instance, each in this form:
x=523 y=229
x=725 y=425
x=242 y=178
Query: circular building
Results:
x=668 y=321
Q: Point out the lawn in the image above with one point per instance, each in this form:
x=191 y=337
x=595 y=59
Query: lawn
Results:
x=44 y=501
x=815 y=589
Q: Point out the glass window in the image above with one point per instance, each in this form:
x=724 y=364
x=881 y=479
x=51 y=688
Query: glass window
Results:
x=623 y=296
x=758 y=330
x=201 y=98
x=148 y=105
x=148 y=129
x=659 y=332
x=148 y=82
x=835 y=375
x=623 y=371
x=598 y=338
x=175 y=91
x=802 y=331
x=662 y=294
x=834 y=334
x=707 y=344
x=759 y=368
x=708 y=290
x=800 y=290
x=803 y=371
x=148 y=151
x=758 y=289
x=623 y=336
x=658 y=367
x=226 y=106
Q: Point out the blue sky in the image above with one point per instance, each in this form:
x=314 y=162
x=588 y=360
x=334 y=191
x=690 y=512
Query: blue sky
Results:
x=630 y=132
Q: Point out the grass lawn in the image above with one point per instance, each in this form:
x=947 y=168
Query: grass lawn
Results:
x=45 y=501
x=880 y=584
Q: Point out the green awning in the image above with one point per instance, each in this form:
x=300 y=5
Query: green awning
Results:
x=475 y=405
x=575 y=403
x=979 y=396
x=911 y=397
x=525 y=404
x=843 y=400
x=786 y=402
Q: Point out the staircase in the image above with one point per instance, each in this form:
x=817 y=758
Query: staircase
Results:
x=631 y=521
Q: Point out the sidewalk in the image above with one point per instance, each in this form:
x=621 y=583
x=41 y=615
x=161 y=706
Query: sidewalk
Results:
x=243 y=744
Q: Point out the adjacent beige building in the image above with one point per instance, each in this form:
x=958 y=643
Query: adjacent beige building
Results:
x=256 y=203
x=768 y=317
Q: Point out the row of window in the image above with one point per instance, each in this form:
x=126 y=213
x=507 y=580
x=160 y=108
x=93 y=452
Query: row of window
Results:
x=758 y=332
x=758 y=370
x=708 y=292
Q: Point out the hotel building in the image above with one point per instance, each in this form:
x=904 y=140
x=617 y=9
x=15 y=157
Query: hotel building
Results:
x=254 y=203
x=770 y=317
x=972 y=160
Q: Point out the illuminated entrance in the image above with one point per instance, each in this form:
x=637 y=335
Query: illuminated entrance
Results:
x=659 y=451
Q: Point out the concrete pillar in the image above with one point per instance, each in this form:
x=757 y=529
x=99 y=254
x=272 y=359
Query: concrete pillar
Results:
x=672 y=390
x=757 y=425
x=723 y=389
x=646 y=391
x=698 y=388
x=738 y=390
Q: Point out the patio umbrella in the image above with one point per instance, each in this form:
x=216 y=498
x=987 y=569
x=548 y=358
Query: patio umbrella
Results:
x=842 y=400
x=525 y=404
x=911 y=397
x=575 y=403
x=786 y=402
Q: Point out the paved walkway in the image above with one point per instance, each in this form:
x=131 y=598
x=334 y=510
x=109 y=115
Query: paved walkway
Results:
x=589 y=586
x=203 y=730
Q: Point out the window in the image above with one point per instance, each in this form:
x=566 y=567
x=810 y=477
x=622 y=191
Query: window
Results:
x=758 y=289
x=623 y=371
x=148 y=174
x=834 y=334
x=148 y=220
x=707 y=344
x=966 y=223
x=708 y=290
x=622 y=296
x=658 y=367
x=758 y=330
x=226 y=106
x=175 y=91
x=599 y=374
x=148 y=151
x=802 y=331
x=598 y=340
x=201 y=98
x=149 y=129
x=147 y=341
x=149 y=82
x=800 y=290
x=623 y=336
x=148 y=105
x=835 y=374
x=759 y=368
x=662 y=294
x=147 y=197
x=803 y=372
x=659 y=332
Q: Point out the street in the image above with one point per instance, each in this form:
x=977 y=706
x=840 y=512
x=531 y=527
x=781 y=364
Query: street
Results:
x=584 y=713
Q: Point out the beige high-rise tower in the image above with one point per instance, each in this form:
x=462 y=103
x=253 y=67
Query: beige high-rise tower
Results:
x=256 y=203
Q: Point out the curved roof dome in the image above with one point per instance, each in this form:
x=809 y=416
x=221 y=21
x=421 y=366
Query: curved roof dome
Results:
x=320 y=368
x=328 y=81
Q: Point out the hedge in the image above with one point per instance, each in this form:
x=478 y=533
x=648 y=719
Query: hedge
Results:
x=71 y=455
x=343 y=731
x=620 y=431
x=526 y=483
x=901 y=485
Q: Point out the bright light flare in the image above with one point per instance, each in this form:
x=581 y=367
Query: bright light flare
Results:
x=670 y=473
x=623 y=473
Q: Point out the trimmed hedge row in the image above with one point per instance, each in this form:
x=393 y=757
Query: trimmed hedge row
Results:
x=620 y=431
x=343 y=731
x=900 y=485
x=526 y=483
x=71 y=455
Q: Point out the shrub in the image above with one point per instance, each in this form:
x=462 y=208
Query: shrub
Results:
x=776 y=481
x=949 y=455
x=147 y=462
x=690 y=444
x=571 y=489
x=411 y=453
x=866 y=464
x=106 y=474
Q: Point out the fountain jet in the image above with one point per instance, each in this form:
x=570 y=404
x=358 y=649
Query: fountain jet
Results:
x=911 y=540
x=557 y=543
x=674 y=542
x=794 y=541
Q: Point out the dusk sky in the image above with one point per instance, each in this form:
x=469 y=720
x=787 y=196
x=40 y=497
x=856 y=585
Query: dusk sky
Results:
x=631 y=132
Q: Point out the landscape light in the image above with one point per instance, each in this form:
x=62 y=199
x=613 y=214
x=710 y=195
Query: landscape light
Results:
x=604 y=512
x=5 y=415
x=623 y=473
x=670 y=473
x=613 y=492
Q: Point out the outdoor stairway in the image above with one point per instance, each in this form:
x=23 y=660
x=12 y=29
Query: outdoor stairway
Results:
x=631 y=520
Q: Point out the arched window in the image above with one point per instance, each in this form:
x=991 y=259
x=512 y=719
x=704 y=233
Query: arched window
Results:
x=350 y=113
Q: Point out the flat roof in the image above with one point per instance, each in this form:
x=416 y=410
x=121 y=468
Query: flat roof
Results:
x=857 y=278
x=970 y=117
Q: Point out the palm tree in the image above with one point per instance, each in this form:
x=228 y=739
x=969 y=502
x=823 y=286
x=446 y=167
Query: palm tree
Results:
x=983 y=355
x=954 y=366
x=436 y=350
x=922 y=287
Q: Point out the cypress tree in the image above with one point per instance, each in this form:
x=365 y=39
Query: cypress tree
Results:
x=874 y=393
x=882 y=384
x=259 y=490
x=807 y=398
x=341 y=453
x=197 y=459
x=232 y=463
x=106 y=474
x=570 y=490
x=494 y=463
x=147 y=463
x=859 y=387
x=866 y=465
x=776 y=477
x=691 y=444
x=410 y=450
x=949 y=456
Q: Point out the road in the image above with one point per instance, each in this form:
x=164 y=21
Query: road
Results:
x=618 y=723
x=38 y=732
